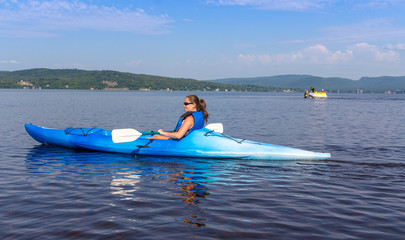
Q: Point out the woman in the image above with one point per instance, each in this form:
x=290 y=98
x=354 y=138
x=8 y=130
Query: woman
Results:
x=195 y=117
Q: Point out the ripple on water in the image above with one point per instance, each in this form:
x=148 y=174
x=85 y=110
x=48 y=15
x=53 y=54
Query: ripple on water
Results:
x=55 y=193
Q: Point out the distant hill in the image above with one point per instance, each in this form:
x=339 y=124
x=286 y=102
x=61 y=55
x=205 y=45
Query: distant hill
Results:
x=109 y=80
x=301 y=82
x=383 y=83
x=113 y=80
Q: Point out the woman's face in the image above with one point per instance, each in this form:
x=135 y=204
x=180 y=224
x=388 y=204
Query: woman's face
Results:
x=189 y=106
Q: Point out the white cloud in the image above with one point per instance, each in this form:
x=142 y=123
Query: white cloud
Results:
x=305 y=5
x=367 y=52
x=255 y=58
x=320 y=54
x=379 y=4
x=399 y=46
x=293 y=5
x=243 y=45
x=50 y=17
x=378 y=29
x=134 y=63
x=9 y=61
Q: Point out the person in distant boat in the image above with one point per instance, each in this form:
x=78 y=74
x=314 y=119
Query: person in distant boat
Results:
x=323 y=91
x=194 y=118
x=312 y=89
x=306 y=94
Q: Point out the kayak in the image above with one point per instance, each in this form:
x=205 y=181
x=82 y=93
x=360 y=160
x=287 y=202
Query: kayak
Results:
x=201 y=143
x=317 y=95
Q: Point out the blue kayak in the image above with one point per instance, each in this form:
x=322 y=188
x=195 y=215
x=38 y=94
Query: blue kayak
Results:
x=201 y=143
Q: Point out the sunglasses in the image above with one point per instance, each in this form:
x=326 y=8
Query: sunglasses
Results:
x=187 y=103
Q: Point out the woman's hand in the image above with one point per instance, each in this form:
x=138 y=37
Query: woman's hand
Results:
x=161 y=136
x=187 y=124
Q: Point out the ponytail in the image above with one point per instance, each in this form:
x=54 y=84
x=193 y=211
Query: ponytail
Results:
x=201 y=105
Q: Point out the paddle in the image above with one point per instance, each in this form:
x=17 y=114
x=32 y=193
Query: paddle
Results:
x=217 y=127
x=130 y=134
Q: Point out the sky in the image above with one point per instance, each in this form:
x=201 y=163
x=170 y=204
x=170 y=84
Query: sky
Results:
x=206 y=39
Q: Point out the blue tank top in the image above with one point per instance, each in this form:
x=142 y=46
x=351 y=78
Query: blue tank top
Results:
x=198 y=121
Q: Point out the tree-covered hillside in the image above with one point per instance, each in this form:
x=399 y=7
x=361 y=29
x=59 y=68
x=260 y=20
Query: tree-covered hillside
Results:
x=98 y=80
x=301 y=82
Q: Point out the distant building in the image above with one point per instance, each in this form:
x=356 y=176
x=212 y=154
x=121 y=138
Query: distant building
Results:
x=24 y=83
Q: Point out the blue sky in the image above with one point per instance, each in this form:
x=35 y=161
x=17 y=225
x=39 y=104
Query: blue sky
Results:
x=206 y=39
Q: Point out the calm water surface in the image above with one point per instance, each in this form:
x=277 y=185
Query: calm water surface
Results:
x=54 y=193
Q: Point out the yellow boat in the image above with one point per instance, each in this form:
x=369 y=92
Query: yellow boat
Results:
x=317 y=95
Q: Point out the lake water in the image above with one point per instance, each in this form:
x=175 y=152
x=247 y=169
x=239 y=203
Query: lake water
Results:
x=55 y=193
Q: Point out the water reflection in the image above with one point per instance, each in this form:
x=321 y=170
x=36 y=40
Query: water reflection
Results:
x=193 y=192
x=317 y=119
x=125 y=184
x=188 y=178
x=123 y=175
x=153 y=188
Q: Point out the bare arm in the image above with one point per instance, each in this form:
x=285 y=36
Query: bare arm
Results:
x=187 y=125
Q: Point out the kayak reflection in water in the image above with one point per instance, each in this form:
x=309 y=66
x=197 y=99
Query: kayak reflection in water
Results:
x=195 y=117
